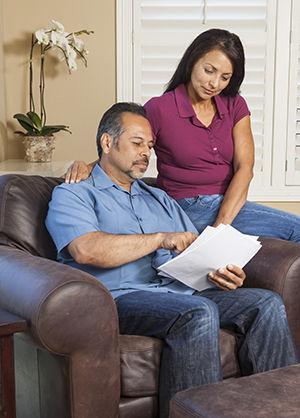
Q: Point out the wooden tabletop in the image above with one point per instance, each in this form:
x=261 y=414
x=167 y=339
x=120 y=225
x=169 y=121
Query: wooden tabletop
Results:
x=9 y=323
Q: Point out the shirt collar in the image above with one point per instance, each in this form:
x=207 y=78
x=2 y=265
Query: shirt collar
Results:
x=101 y=181
x=184 y=105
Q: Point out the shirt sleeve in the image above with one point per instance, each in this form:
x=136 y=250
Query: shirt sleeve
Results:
x=69 y=216
x=181 y=223
x=153 y=116
x=240 y=109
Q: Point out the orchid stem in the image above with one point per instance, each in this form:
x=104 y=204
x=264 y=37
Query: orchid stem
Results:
x=31 y=101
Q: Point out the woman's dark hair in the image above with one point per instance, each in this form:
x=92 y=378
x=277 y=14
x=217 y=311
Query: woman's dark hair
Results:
x=112 y=124
x=219 y=39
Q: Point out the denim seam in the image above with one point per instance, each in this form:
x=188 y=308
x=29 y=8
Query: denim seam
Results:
x=254 y=364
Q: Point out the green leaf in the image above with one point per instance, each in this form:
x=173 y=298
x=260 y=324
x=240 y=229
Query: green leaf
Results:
x=32 y=124
x=20 y=133
x=24 y=118
x=53 y=129
x=56 y=126
x=29 y=128
x=34 y=117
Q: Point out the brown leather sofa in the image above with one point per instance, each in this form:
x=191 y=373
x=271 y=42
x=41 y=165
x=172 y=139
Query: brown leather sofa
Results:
x=72 y=362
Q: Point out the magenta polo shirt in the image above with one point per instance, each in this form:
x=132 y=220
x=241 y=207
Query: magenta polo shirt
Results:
x=193 y=159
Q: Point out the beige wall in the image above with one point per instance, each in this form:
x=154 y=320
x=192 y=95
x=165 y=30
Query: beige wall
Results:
x=3 y=136
x=293 y=207
x=77 y=100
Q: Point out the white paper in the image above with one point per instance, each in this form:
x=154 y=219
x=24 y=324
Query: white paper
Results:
x=214 y=248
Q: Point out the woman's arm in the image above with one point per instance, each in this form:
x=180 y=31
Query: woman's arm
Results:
x=243 y=162
x=79 y=171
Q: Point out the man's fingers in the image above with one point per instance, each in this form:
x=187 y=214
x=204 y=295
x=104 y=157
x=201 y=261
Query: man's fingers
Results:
x=237 y=271
x=228 y=278
x=178 y=241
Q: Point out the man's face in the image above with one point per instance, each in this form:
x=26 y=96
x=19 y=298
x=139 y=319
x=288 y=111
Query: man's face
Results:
x=129 y=159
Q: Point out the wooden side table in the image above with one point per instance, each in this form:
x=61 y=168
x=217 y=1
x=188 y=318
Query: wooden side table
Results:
x=9 y=324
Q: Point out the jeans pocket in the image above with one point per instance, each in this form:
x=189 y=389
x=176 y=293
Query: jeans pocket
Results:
x=210 y=201
x=202 y=210
x=206 y=201
x=187 y=202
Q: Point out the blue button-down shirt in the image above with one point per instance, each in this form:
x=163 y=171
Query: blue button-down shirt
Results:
x=99 y=204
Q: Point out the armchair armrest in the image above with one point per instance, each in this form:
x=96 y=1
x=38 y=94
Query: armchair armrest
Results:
x=277 y=267
x=69 y=313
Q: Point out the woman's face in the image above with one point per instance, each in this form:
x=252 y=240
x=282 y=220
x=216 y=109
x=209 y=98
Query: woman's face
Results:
x=210 y=75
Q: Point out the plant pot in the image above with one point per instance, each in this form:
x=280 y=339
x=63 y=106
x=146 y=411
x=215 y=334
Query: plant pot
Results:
x=38 y=148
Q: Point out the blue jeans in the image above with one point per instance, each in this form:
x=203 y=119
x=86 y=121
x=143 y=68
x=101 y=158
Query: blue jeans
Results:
x=189 y=324
x=252 y=219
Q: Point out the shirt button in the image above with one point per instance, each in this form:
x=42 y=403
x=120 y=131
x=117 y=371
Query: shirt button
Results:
x=141 y=219
x=215 y=149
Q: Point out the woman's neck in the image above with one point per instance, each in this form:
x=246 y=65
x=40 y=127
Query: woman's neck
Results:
x=205 y=109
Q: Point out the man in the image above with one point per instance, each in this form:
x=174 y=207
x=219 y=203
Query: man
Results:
x=119 y=229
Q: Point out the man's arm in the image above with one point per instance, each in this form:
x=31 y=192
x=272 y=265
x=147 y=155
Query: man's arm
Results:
x=107 y=251
x=104 y=250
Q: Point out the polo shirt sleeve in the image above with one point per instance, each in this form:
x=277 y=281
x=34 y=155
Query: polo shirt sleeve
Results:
x=240 y=109
x=153 y=116
x=70 y=216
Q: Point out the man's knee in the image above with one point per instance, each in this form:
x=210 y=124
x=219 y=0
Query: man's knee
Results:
x=270 y=303
x=197 y=315
x=166 y=311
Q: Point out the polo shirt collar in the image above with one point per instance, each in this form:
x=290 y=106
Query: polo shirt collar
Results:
x=184 y=105
x=101 y=181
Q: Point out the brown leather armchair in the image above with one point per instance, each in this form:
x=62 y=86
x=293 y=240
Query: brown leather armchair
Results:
x=72 y=362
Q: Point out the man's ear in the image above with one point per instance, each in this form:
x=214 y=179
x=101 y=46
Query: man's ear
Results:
x=106 y=143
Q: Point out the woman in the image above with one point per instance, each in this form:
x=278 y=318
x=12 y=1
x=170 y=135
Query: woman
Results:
x=204 y=144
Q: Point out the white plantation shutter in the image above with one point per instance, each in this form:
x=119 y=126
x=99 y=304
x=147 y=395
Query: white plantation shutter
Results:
x=293 y=131
x=153 y=34
x=164 y=28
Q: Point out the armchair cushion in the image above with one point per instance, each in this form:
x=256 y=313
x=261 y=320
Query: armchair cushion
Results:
x=23 y=208
x=141 y=356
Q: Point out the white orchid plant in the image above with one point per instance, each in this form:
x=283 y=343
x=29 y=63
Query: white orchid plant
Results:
x=69 y=47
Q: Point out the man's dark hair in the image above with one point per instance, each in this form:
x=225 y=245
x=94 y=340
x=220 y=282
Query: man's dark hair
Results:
x=112 y=123
x=207 y=41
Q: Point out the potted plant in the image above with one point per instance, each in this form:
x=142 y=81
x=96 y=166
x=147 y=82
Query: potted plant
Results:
x=38 y=137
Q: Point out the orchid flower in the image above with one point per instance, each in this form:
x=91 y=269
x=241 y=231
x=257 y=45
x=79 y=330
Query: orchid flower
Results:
x=78 y=44
x=54 y=25
x=71 y=54
x=58 y=40
x=72 y=64
x=69 y=49
x=42 y=37
x=61 y=55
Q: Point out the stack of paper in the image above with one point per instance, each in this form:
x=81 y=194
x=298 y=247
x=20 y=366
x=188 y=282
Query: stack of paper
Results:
x=214 y=248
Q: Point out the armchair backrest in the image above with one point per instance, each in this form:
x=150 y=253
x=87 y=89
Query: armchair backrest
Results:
x=23 y=209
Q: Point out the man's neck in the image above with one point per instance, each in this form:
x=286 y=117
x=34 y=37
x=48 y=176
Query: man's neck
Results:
x=118 y=179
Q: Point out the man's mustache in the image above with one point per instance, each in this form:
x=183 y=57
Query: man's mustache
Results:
x=142 y=160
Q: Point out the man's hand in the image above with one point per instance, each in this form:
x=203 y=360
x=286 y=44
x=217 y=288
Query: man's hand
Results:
x=178 y=241
x=78 y=171
x=229 y=278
